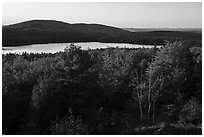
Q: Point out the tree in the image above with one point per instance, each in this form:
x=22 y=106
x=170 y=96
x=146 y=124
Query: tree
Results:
x=17 y=83
x=156 y=92
x=80 y=76
x=154 y=88
x=173 y=67
x=139 y=88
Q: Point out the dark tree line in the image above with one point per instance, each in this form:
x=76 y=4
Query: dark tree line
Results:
x=104 y=91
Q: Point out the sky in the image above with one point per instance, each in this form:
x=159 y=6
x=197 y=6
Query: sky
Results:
x=118 y=14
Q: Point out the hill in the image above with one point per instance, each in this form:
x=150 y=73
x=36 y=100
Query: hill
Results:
x=198 y=30
x=51 y=31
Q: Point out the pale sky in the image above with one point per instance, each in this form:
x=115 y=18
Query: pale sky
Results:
x=118 y=14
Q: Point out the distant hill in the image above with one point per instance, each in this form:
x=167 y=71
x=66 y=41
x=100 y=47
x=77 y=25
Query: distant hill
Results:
x=51 y=31
x=198 y=30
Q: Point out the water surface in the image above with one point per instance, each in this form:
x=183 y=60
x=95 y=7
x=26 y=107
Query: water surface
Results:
x=56 y=47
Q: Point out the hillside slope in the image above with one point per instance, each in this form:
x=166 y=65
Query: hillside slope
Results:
x=51 y=31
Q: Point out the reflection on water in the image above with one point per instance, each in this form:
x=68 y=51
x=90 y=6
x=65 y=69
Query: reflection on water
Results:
x=52 y=47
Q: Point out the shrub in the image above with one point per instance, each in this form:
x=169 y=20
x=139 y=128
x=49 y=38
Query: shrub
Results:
x=191 y=113
x=69 y=125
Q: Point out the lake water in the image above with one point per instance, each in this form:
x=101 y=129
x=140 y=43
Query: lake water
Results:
x=53 y=47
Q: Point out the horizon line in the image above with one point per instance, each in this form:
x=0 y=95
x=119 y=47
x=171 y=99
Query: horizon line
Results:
x=156 y=27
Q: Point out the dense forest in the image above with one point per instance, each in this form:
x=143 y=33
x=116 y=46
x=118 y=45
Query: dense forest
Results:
x=51 y=31
x=108 y=91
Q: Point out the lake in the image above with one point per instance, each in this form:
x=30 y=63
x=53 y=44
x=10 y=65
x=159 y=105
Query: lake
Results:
x=56 y=47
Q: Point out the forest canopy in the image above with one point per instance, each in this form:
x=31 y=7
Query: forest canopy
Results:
x=104 y=91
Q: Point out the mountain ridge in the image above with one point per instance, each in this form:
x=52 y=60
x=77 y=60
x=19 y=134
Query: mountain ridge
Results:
x=52 y=31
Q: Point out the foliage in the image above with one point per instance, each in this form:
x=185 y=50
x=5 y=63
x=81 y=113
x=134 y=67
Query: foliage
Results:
x=69 y=125
x=191 y=113
x=107 y=88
